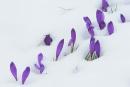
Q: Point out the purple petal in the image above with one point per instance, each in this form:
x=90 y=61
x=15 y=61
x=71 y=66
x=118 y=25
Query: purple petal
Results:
x=88 y=21
x=13 y=70
x=25 y=74
x=70 y=41
x=47 y=40
x=91 y=31
x=40 y=58
x=105 y=5
x=73 y=35
x=92 y=44
x=123 y=20
x=42 y=67
x=59 y=48
x=110 y=28
x=97 y=48
x=102 y=25
x=100 y=19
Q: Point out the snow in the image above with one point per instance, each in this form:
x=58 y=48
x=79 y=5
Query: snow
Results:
x=23 y=24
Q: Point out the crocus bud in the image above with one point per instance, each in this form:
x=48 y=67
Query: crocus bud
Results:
x=13 y=70
x=48 y=40
x=97 y=48
x=123 y=20
x=25 y=74
x=59 y=48
x=110 y=28
x=105 y=5
x=100 y=19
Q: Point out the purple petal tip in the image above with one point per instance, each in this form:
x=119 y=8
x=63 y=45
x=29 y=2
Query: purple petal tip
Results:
x=13 y=70
x=25 y=74
x=110 y=28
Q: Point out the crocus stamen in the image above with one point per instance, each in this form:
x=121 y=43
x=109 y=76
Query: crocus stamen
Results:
x=59 y=48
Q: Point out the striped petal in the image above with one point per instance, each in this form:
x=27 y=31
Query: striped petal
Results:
x=87 y=21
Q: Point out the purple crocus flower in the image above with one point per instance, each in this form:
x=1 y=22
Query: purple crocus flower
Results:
x=25 y=74
x=91 y=31
x=110 y=28
x=91 y=45
x=97 y=48
x=105 y=5
x=48 y=40
x=59 y=48
x=13 y=70
x=123 y=20
x=73 y=39
x=100 y=19
x=87 y=21
x=40 y=66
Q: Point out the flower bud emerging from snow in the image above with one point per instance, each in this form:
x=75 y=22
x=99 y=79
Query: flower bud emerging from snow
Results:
x=110 y=28
x=100 y=19
x=25 y=74
x=105 y=5
x=59 y=48
x=48 y=40
x=87 y=21
x=91 y=31
x=94 y=50
x=13 y=70
x=73 y=39
x=123 y=20
x=40 y=66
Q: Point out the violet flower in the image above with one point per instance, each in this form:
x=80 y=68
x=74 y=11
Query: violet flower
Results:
x=91 y=31
x=72 y=40
x=97 y=48
x=87 y=21
x=100 y=19
x=94 y=50
x=59 y=48
x=105 y=5
x=13 y=70
x=110 y=28
x=123 y=20
x=25 y=74
x=40 y=66
x=48 y=40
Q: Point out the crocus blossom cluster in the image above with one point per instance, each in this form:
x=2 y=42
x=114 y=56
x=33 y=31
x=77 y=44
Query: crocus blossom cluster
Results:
x=25 y=74
x=40 y=66
x=72 y=40
x=94 y=50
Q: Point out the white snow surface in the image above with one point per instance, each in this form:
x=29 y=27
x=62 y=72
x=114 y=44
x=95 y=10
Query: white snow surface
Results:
x=23 y=24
